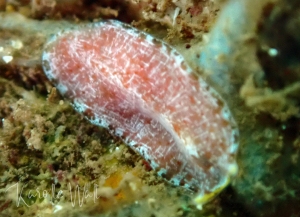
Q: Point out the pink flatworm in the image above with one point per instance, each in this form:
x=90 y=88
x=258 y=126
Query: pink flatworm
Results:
x=141 y=90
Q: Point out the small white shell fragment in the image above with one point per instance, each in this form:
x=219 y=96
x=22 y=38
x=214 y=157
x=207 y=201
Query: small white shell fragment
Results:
x=7 y=59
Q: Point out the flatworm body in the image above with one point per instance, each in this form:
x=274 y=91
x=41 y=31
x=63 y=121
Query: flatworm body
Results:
x=141 y=90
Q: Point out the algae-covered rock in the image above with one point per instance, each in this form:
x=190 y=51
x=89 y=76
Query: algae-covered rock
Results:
x=48 y=150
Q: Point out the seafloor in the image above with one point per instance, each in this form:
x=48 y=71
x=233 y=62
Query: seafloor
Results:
x=52 y=159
